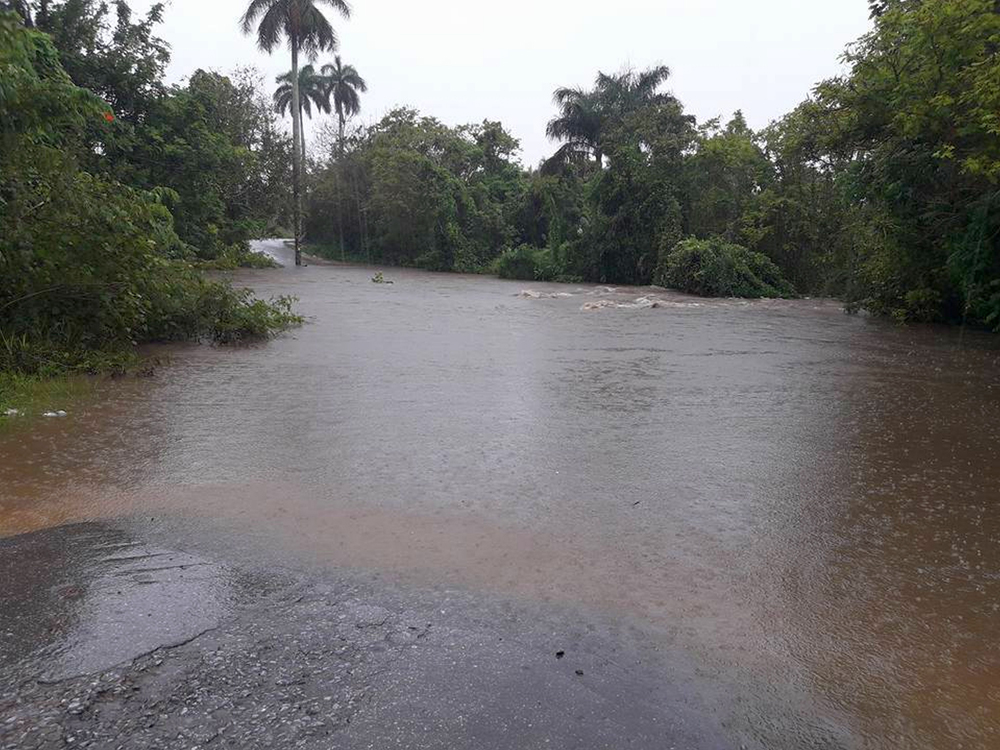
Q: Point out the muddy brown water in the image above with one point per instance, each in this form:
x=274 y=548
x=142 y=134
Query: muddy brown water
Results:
x=803 y=501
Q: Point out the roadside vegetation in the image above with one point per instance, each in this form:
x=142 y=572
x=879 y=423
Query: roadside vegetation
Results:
x=114 y=194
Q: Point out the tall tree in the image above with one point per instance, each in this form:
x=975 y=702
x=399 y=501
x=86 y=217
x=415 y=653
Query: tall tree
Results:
x=302 y=24
x=578 y=123
x=631 y=89
x=584 y=116
x=344 y=86
x=312 y=90
x=918 y=115
x=725 y=174
x=108 y=49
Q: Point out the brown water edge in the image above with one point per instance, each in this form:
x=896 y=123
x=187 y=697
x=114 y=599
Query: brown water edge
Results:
x=898 y=672
x=803 y=500
x=695 y=611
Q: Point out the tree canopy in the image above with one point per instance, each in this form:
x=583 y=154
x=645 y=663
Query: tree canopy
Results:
x=98 y=213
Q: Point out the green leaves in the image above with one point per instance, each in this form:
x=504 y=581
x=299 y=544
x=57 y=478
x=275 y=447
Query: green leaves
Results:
x=312 y=88
x=90 y=267
x=920 y=112
x=38 y=101
x=300 y=22
x=416 y=192
x=715 y=268
x=216 y=146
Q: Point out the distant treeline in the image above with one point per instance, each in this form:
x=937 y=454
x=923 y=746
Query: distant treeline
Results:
x=880 y=188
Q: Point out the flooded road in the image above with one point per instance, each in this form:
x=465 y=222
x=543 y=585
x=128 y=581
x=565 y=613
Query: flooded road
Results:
x=792 y=512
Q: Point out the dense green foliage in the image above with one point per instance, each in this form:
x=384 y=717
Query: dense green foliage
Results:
x=917 y=123
x=635 y=177
x=214 y=142
x=527 y=262
x=215 y=145
x=413 y=191
x=716 y=268
x=881 y=188
x=90 y=265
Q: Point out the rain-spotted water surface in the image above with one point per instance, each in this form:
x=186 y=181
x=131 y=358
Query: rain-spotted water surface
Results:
x=801 y=503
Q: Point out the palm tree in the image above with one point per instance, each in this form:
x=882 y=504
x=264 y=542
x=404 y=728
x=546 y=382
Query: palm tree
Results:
x=579 y=124
x=343 y=86
x=584 y=115
x=312 y=90
x=343 y=82
x=631 y=89
x=302 y=24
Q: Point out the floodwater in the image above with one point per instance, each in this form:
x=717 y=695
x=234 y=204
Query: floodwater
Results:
x=801 y=502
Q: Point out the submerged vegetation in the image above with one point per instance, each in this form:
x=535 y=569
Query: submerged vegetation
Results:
x=715 y=268
x=24 y=395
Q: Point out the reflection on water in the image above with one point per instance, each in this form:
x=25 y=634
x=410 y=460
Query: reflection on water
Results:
x=803 y=500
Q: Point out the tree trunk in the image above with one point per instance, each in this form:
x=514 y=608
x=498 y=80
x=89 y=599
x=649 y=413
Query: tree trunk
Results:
x=296 y=152
x=302 y=137
x=340 y=116
x=24 y=11
x=361 y=222
x=338 y=165
x=340 y=194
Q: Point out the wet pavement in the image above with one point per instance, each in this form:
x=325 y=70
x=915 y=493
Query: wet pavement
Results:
x=128 y=657
x=748 y=524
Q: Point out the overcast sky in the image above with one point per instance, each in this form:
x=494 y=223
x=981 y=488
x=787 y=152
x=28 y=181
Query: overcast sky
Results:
x=465 y=61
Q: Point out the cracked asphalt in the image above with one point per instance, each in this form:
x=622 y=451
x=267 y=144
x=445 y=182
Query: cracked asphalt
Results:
x=113 y=643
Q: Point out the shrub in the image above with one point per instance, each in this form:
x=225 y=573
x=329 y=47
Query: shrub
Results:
x=187 y=307
x=715 y=268
x=88 y=266
x=238 y=255
x=528 y=264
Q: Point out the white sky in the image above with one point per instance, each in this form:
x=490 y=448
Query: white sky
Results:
x=466 y=61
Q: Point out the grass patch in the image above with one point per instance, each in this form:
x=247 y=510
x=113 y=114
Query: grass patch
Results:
x=33 y=395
